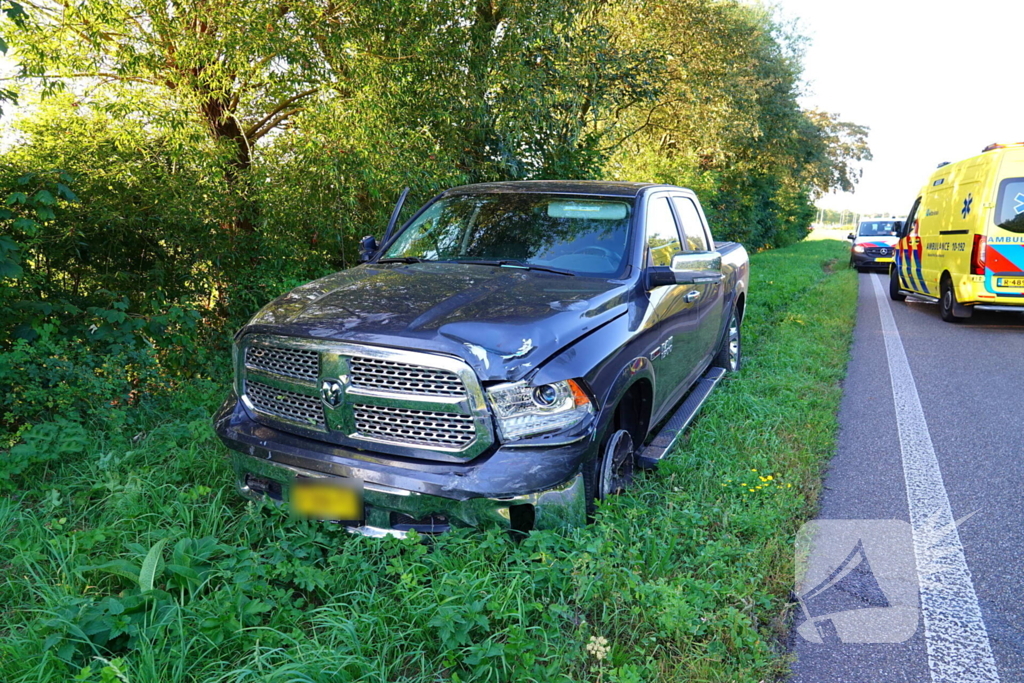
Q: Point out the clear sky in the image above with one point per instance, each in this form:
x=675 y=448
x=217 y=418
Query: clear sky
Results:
x=935 y=81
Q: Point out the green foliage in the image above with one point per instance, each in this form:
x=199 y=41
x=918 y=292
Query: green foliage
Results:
x=56 y=376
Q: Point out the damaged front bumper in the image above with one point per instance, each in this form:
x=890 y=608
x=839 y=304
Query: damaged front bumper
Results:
x=511 y=488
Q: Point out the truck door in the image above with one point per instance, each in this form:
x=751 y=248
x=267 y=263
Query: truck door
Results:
x=697 y=239
x=678 y=348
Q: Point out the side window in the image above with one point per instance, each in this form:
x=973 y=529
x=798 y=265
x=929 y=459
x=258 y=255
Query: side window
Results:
x=662 y=236
x=911 y=217
x=693 y=228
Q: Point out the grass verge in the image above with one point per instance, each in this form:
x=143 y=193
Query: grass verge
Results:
x=132 y=560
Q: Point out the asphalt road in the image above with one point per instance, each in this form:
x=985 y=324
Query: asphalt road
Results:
x=952 y=451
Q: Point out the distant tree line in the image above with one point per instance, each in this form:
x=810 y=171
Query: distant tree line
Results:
x=204 y=156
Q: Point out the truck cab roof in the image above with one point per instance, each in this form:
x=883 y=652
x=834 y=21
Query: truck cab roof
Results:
x=602 y=188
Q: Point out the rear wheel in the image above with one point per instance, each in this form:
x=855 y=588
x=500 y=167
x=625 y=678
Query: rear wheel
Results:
x=894 y=286
x=612 y=472
x=947 y=300
x=730 y=353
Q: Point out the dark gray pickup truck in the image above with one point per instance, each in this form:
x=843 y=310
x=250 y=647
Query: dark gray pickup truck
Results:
x=507 y=357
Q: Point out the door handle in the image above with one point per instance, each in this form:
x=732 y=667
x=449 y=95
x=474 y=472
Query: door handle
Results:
x=692 y=296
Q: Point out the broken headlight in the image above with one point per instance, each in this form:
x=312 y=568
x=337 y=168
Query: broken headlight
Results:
x=524 y=410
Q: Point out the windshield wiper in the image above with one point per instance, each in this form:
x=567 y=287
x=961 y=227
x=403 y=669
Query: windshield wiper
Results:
x=402 y=259
x=511 y=263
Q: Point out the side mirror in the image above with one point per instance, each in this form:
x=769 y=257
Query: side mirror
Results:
x=687 y=269
x=660 y=276
x=851 y=236
x=897 y=228
x=367 y=248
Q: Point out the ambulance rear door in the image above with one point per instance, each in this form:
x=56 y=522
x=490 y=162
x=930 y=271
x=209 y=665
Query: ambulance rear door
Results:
x=1004 y=234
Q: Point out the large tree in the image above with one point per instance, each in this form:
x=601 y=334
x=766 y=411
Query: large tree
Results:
x=241 y=68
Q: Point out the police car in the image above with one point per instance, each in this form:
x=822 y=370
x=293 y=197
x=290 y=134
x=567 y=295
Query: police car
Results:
x=874 y=244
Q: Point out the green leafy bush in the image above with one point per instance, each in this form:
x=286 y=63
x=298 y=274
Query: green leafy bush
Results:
x=70 y=378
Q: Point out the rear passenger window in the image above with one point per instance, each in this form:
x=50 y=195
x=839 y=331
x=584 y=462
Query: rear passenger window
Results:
x=662 y=236
x=1010 y=205
x=693 y=227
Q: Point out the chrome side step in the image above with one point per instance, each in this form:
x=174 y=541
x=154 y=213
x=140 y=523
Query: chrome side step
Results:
x=662 y=444
x=916 y=298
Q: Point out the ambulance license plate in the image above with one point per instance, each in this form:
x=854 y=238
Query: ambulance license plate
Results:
x=337 y=500
x=1010 y=282
x=884 y=259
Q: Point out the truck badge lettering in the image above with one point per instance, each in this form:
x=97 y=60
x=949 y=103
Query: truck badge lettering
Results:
x=662 y=350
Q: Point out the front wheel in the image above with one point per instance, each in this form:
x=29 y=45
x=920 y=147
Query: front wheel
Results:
x=894 y=286
x=612 y=472
x=730 y=353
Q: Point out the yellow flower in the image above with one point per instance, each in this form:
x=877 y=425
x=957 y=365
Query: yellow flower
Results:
x=769 y=477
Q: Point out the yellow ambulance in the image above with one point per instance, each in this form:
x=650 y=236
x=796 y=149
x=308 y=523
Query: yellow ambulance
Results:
x=962 y=245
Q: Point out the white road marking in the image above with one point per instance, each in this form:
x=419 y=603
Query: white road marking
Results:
x=958 y=647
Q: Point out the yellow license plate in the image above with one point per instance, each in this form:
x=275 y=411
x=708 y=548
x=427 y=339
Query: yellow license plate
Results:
x=1010 y=282
x=339 y=500
x=884 y=259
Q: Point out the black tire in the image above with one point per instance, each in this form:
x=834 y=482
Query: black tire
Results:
x=894 y=286
x=729 y=356
x=947 y=300
x=611 y=472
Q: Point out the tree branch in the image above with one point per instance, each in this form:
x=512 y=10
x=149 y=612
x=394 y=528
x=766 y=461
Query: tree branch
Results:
x=260 y=128
x=93 y=74
x=254 y=135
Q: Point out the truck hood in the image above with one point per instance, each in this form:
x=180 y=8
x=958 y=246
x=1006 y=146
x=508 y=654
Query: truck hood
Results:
x=503 y=321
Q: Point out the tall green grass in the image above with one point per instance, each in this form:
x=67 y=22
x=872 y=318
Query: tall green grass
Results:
x=133 y=560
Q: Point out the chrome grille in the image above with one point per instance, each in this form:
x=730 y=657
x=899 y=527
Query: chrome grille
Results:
x=287 y=404
x=397 y=402
x=297 y=363
x=878 y=251
x=416 y=427
x=386 y=375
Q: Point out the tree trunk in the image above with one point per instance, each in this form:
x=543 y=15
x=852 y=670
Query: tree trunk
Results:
x=226 y=128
